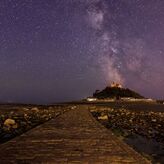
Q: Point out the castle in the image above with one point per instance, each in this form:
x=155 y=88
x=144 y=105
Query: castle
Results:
x=115 y=85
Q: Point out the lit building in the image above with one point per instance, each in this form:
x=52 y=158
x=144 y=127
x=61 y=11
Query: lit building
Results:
x=116 y=85
x=91 y=99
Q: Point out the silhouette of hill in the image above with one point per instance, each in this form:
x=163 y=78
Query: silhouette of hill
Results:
x=116 y=92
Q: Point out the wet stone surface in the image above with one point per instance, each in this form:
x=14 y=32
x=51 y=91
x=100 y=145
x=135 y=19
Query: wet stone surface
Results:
x=143 y=130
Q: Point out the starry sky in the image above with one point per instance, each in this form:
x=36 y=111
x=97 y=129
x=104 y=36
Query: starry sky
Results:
x=63 y=50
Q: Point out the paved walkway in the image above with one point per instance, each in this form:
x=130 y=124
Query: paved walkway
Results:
x=74 y=137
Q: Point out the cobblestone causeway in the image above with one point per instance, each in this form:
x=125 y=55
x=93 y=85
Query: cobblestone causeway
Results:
x=74 y=137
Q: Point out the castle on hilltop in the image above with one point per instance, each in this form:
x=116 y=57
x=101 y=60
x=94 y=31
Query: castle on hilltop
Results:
x=115 y=85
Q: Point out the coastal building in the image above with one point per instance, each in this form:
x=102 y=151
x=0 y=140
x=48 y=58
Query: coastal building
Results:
x=90 y=99
x=116 y=85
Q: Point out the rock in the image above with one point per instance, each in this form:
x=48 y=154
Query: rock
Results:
x=50 y=108
x=11 y=113
x=105 y=117
x=25 y=109
x=10 y=123
x=154 y=120
x=26 y=116
x=159 y=125
x=73 y=107
x=35 y=109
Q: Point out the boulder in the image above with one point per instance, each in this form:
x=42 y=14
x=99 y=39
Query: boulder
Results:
x=10 y=123
x=35 y=109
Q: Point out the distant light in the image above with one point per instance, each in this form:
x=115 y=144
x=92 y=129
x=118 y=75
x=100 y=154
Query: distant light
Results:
x=91 y=99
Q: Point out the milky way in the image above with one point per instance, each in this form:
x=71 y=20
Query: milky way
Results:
x=61 y=50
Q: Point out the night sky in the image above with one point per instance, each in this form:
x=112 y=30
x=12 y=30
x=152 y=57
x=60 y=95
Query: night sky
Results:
x=62 y=50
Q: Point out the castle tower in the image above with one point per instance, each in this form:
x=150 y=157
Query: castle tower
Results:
x=115 y=85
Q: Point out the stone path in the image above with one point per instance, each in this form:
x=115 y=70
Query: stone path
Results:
x=74 y=137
